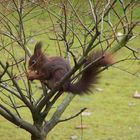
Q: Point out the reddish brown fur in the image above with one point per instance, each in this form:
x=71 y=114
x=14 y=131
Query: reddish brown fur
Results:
x=52 y=69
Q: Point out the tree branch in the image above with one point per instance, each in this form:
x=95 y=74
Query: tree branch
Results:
x=73 y=116
x=59 y=111
x=7 y=114
x=18 y=88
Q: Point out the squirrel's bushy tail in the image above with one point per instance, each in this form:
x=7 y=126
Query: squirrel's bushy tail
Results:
x=90 y=75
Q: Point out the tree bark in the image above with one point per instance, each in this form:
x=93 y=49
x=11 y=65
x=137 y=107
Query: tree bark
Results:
x=41 y=137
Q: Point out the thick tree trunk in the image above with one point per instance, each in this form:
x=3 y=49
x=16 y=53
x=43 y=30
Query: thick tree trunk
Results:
x=33 y=137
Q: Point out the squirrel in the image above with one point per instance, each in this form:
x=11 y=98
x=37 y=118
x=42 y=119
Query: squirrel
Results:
x=52 y=69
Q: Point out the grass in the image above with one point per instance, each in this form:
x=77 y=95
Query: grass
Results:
x=115 y=114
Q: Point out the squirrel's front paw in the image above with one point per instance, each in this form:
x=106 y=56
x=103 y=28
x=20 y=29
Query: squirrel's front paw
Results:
x=31 y=75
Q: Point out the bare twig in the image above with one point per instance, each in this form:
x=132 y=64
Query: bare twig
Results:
x=73 y=116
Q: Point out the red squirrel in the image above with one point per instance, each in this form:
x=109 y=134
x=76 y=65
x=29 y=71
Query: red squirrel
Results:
x=52 y=69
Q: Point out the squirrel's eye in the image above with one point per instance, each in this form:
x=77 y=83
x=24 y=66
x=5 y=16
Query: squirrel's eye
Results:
x=33 y=62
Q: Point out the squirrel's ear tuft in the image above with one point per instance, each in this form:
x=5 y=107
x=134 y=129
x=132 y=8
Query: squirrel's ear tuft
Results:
x=37 y=49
